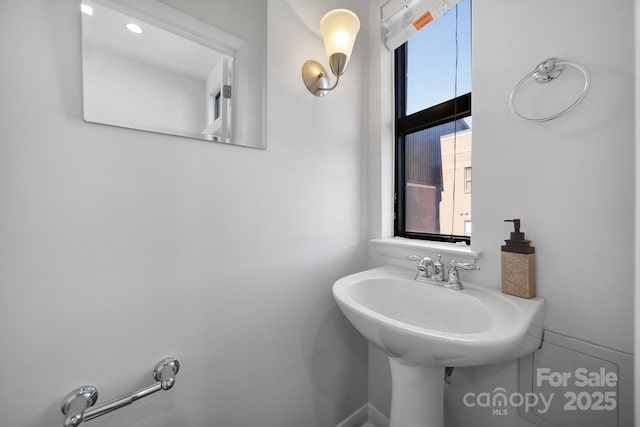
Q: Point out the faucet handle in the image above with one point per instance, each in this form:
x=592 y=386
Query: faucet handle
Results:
x=453 y=280
x=425 y=267
x=463 y=265
x=424 y=260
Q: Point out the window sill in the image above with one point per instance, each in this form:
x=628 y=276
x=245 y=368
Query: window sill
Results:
x=399 y=247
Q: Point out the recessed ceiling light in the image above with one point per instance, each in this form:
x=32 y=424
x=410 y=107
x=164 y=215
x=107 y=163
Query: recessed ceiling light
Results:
x=87 y=10
x=134 y=28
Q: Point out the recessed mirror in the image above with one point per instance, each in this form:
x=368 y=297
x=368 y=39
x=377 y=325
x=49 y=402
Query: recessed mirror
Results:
x=153 y=67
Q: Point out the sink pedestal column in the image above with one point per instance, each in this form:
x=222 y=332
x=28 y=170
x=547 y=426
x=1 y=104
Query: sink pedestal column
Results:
x=417 y=395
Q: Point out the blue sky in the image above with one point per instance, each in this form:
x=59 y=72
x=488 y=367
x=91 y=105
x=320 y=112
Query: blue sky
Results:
x=431 y=63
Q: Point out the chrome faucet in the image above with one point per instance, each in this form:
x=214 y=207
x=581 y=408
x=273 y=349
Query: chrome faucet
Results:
x=433 y=271
x=453 y=281
x=425 y=267
x=438 y=269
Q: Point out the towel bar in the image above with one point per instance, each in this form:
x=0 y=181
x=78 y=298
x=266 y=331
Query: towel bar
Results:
x=77 y=406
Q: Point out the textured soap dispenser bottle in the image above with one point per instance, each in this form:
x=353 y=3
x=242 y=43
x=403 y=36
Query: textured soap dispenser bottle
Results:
x=518 y=264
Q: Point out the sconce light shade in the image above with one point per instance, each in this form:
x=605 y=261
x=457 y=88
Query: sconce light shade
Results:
x=339 y=29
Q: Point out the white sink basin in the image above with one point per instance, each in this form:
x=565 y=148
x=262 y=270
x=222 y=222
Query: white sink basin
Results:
x=422 y=323
x=424 y=327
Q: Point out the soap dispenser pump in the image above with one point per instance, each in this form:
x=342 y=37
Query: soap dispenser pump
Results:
x=518 y=264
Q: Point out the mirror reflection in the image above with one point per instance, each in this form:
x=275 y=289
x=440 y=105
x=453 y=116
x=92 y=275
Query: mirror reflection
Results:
x=139 y=74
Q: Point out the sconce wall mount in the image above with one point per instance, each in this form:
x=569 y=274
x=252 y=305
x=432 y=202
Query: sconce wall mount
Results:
x=339 y=29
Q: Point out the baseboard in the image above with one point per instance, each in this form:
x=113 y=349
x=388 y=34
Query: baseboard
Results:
x=366 y=416
x=360 y=418
x=376 y=419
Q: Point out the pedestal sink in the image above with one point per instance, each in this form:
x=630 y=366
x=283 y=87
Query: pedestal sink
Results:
x=425 y=327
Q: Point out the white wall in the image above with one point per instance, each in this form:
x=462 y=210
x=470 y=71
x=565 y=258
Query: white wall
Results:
x=637 y=214
x=570 y=180
x=120 y=247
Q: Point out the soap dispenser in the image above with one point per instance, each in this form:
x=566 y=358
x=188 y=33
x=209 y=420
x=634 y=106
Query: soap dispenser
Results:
x=518 y=264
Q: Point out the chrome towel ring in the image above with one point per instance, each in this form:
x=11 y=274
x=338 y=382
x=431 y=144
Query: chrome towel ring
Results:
x=545 y=72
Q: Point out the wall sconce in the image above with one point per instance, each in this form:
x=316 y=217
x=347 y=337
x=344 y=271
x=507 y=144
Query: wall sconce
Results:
x=339 y=29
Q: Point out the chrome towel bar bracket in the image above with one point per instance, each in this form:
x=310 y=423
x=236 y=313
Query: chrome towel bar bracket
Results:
x=547 y=71
x=77 y=406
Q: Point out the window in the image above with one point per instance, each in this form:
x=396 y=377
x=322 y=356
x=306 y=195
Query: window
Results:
x=467 y=179
x=216 y=106
x=433 y=130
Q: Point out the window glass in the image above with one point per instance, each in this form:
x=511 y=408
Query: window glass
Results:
x=434 y=201
x=431 y=60
x=434 y=130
